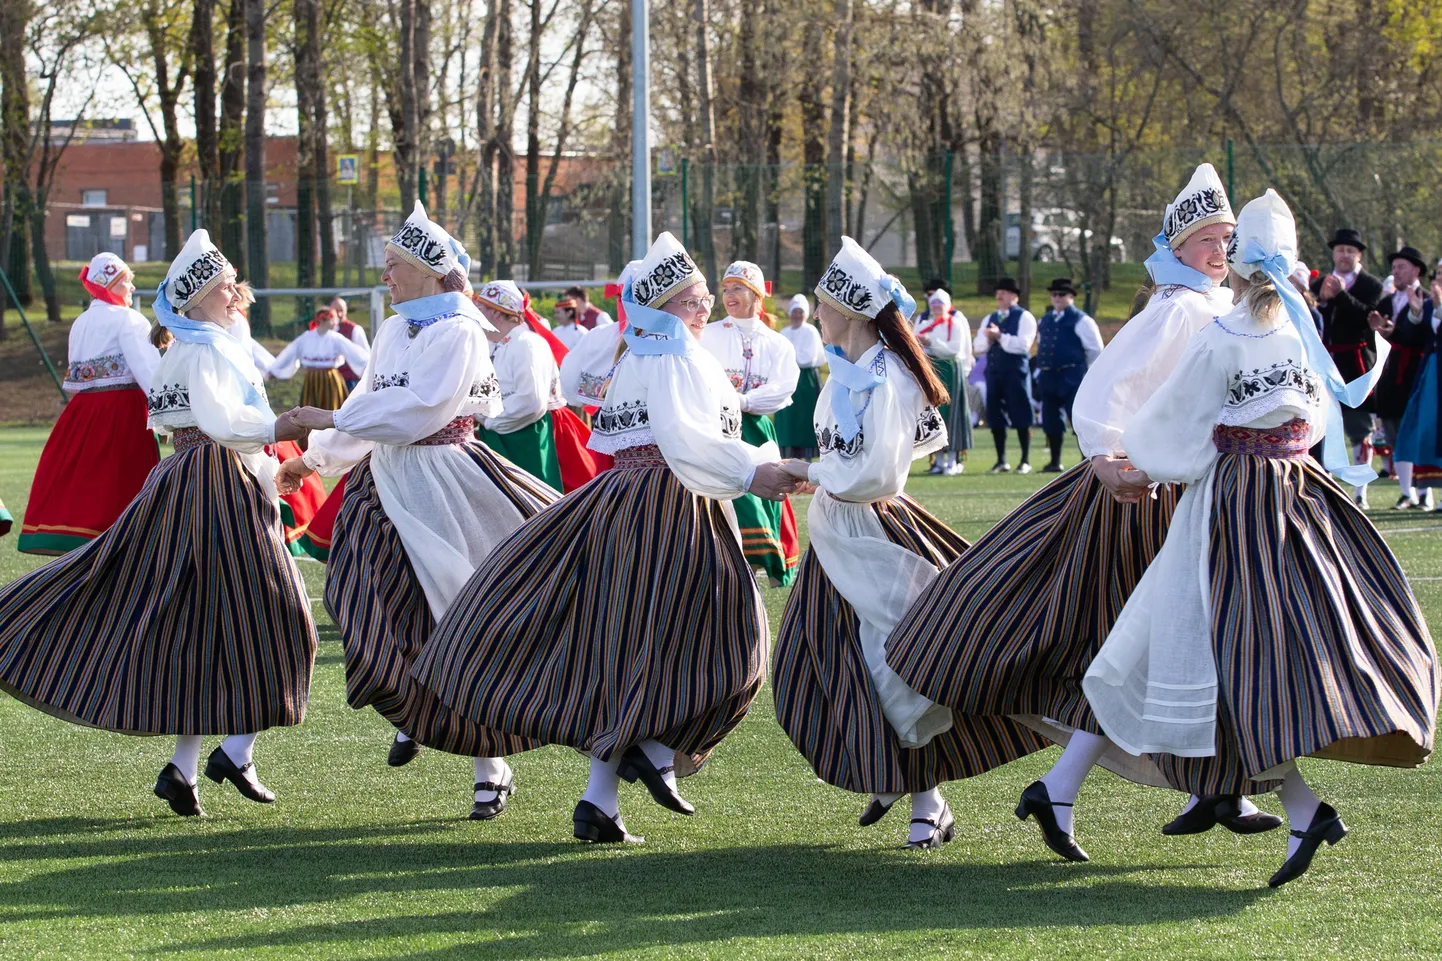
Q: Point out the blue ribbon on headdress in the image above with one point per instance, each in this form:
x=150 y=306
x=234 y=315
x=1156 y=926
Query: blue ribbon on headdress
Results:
x=664 y=333
x=899 y=296
x=1165 y=268
x=424 y=311
x=1334 y=449
x=189 y=331
x=855 y=380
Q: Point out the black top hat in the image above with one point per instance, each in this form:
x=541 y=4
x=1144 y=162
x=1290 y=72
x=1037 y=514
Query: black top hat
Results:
x=1409 y=254
x=1062 y=285
x=1348 y=236
x=936 y=284
x=1006 y=283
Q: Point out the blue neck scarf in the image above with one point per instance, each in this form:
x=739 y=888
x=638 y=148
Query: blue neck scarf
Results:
x=1165 y=269
x=424 y=311
x=673 y=337
x=1334 y=449
x=854 y=379
x=231 y=350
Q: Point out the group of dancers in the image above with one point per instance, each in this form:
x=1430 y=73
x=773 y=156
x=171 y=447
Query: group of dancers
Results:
x=1196 y=605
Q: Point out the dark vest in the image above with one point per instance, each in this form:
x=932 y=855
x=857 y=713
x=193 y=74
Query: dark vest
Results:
x=345 y=329
x=1057 y=343
x=999 y=363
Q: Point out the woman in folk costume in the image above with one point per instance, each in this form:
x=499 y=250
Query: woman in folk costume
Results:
x=1275 y=623
x=624 y=621
x=1012 y=626
x=763 y=369
x=945 y=335
x=322 y=351
x=873 y=550
x=795 y=432
x=100 y=452
x=533 y=429
x=187 y=617
x=1418 y=442
x=424 y=502
x=586 y=369
x=564 y=325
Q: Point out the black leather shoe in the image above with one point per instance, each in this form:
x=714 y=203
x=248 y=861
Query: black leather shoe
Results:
x=1326 y=826
x=494 y=808
x=402 y=752
x=594 y=825
x=1223 y=809
x=635 y=764
x=1053 y=467
x=172 y=788
x=220 y=768
x=874 y=812
x=943 y=829
x=1036 y=802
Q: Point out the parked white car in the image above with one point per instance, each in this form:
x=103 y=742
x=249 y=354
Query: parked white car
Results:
x=1054 y=236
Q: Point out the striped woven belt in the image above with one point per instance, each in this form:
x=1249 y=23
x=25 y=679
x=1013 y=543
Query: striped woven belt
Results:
x=634 y=458
x=132 y=385
x=184 y=438
x=458 y=431
x=1290 y=441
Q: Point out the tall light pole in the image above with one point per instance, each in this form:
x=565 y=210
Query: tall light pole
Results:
x=640 y=128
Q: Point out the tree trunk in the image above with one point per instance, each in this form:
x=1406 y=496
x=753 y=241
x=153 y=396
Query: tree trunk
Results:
x=255 y=206
x=485 y=137
x=232 y=115
x=989 y=248
x=14 y=145
x=840 y=130
x=618 y=233
x=321 y=131
x=813 y=158
x=752 y=144
x=407 y=155
x=43 y=273
x=1024 y=239
x=535 y=216
x=207 y=142
x=707 y=112
x=775 y=119
x=505 y=152
x=307 y=53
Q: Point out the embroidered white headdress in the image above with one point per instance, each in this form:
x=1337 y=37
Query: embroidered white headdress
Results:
x=199 y=267
x=750 y=275
x=665 y=269
x=856 y=285
x=504 y=296
x=1266 y=229
x=426 y=244
x=105 y=269
x=1202 y=202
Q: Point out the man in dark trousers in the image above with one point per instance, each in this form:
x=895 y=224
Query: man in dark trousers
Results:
x=1006 y=338
x=1405 y=318
x=1067 y=343
x=1345 y=298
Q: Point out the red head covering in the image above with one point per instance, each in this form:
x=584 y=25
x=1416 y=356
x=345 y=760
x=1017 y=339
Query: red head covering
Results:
x=533 y=320
x=102 y=294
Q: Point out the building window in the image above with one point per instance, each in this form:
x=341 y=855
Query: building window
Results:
x=77 y=220
x=92 y=198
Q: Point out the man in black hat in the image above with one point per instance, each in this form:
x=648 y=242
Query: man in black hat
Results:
x=1005 y=337
x=1067 y=343
x=1405 y=319
x=1345 y=298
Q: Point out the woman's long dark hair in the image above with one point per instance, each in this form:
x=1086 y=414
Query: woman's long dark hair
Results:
x=896 y=333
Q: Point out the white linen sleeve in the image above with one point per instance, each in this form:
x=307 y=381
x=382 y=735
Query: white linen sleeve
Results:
x=527 y=372
x=288 y=361
x=981 y=343
x=140 y=354
x=1171 y=436
x=1090 y=336
x=356 y=355
x=441 y=373
x=1129 y=370
x=879 y=469
x=359 y=338
x=333 y=452
x=965 y=359
x=948 y=339
x=685 y=421
x=784 y=374
x=216 y=401
x=1021 y=341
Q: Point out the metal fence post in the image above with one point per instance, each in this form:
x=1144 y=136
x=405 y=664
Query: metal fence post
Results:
x=685 y=203
x=1230 y=185
x=192 y=205
x=950 y=224
x=377 y=309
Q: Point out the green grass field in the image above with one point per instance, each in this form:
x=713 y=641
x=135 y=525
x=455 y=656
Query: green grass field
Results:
x=357 y=860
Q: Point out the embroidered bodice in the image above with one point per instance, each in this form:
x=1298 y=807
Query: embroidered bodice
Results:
x=110 y=347
x=760 y=363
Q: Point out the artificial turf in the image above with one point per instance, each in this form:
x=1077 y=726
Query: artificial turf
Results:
x=358 y=860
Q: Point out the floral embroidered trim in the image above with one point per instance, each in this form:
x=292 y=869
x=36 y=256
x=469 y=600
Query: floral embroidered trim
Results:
x=108 y=367
x=743 y=383
x=630 y=415
x=167 y=397
x=667 y=274
x=731 y=422
x=382 y=381
x=829 y=440
x=488 y=389
x=592 y=385
x=1288 y=375
x=929 y=426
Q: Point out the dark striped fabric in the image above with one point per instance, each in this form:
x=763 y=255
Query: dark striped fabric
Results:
x=187 y=616
x=372 y=594
x=623 y=612
x=1012 y=626
x=825 y=700
x=1321 y=649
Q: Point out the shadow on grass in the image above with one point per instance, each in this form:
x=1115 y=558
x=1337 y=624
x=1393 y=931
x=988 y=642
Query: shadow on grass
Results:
x=564 y=899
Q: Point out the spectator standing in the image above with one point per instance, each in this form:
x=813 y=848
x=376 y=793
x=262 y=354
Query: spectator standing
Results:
x=1006 y=339
x=588 y=315
x=1067 y=343
x=352 y=332
x=1405 y=319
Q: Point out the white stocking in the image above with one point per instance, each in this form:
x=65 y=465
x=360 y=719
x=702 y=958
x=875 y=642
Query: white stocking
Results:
x=239 y=748
x=1300 y=804
x=1404 y=478
x=604 y=787
x=925 y=804
x=662 y=757
x=494 y=770
x=187 y=756
x=1065 y=778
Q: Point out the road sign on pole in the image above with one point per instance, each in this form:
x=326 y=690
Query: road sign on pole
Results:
x=347 y=168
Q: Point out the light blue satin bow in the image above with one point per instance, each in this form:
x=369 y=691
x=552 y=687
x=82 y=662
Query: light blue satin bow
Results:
x=1334 y=449
x=855 y=380
x=899 y=296
x=424 y=311
x=189 y=331
x=674 y=337
x=1165 y=268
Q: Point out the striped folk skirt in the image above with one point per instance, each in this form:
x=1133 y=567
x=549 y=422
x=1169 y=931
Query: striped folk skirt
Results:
x=1012 y=626
x=826 y=700
x=769 y=534
x=957 y=412
x=1321 y=649
x=373 y=595
x=323 y=388
x=623 y=612
x=93 y=465
x=187 y=616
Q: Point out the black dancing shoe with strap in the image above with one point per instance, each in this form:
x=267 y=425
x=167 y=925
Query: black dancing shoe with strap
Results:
x=494 y=808
x=1326 y=826
x=220 y=768
x=1036 y=802
x=874 y=812
x=402 y=752
x=181 y=795
x=1223 y=809
x=635 y=764
x=943 y=829
x=596 y=826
